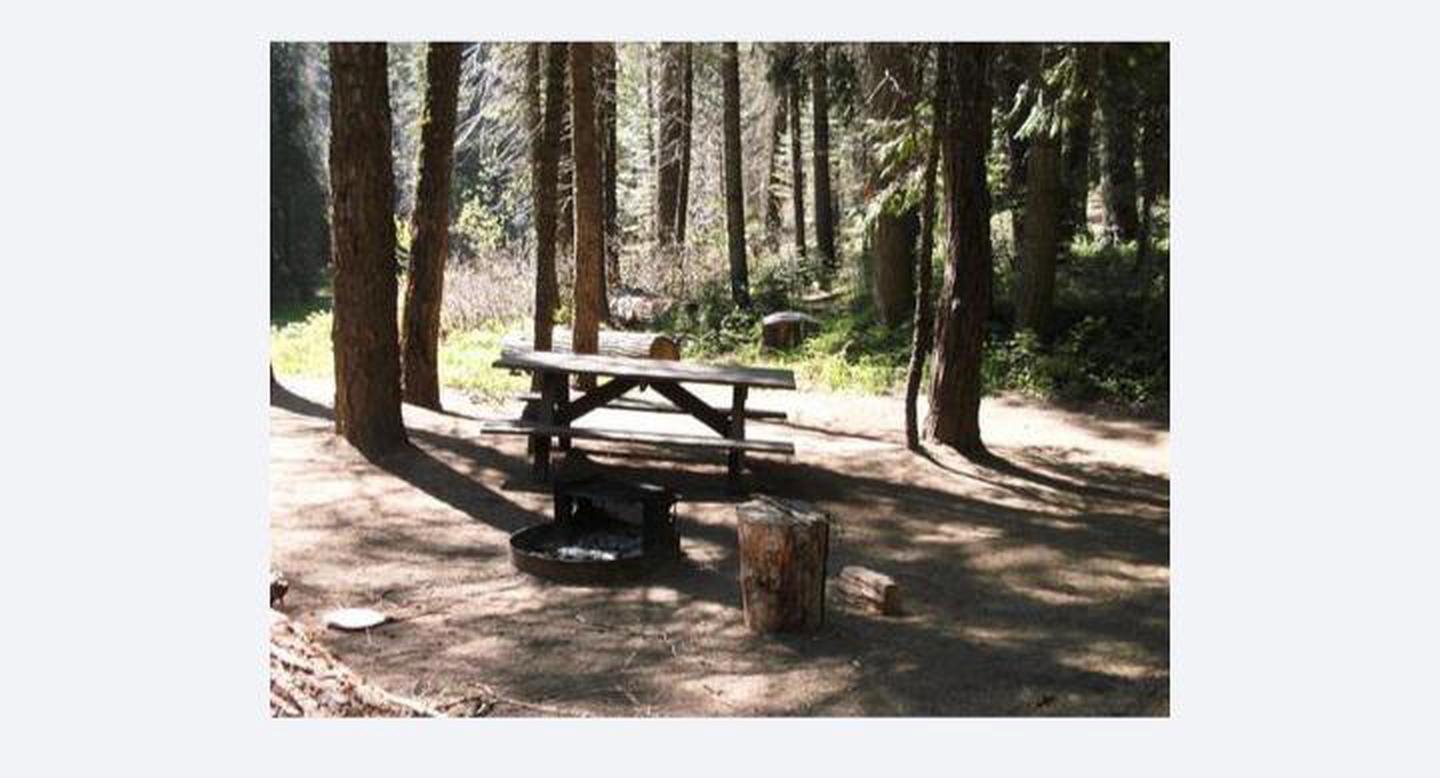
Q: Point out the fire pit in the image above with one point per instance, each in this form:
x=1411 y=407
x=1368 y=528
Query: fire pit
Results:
x=605 y=530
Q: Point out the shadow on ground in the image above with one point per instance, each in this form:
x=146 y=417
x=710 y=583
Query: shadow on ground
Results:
x=1037 y=584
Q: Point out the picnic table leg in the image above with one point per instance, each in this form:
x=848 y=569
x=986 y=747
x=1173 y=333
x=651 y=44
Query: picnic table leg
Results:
x=737 y=432
x=562 y=406
x=540 y=466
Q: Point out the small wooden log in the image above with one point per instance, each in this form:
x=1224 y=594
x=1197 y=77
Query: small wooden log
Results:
x=787 y=329
x=869 y=589
x=783 y=548
x=642 y=345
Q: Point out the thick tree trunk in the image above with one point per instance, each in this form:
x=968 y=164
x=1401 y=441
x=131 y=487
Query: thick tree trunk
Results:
x=734 y=186
x=362 y=182
x=607 y=72
x=890 y=85
x=824 y=201
x=797 y=166
x=1117 y=118
x=1035 y=291
x=669 y=153
x=965 y=297
x=923 y=337
x=425 y=284
x=589 y=201
x=682 y=207
x=544 y=155
x=1076 y=154
x=773 y=175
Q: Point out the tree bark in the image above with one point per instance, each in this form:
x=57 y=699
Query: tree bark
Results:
x=669 y=153
x=362 y=181
x=783 y=549
x=734 y=186
x=606 y=71
x=797 y=166
x=773 y=175
x=1154 y=143
x=824 y=201
x=923 y=337
x=682 y=208
x=890 y=85
x=565 y=197
x=965 y=297
x=589 y=201
x=544 y=155
x=1117 y=118
x=425 y=284
x=1035 y=291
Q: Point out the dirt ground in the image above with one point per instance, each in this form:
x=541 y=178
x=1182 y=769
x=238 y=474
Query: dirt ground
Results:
x=1037 y=586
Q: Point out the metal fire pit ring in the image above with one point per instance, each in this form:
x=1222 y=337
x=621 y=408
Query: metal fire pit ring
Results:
x=530 y=553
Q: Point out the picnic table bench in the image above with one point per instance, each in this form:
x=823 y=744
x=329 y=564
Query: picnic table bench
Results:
x=555 y=413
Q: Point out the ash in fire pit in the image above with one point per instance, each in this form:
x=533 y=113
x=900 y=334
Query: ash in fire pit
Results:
x=605 y=529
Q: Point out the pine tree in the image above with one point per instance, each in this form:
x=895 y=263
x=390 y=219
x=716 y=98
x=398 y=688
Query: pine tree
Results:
x=954 y=417
x=589 y=200
x=367 y=348
x=425 y=284
x=734 y=186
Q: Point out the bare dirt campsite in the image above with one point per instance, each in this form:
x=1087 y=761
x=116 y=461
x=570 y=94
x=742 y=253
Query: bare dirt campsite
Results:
x=1041 y=587
x=722 y=379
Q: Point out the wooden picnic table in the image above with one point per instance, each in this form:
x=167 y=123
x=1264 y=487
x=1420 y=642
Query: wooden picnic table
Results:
x=555 y=413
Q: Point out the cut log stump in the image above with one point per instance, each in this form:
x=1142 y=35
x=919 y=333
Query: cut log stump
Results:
x=787 y=329
x=869 y=589
x=613 y=343
x=783 y=548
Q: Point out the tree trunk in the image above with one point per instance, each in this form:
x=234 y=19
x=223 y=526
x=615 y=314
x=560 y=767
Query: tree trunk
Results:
x=1154 y=144
x=824 y=217
x=682 y=208
x=1019 y=61
x=1076 y=155
x=773 y=175
x=965 y=297
x=783 y=549
x=589 y=201
x=923 y=337
x=1117 y=118
x=734 y=187
x=669 y=153
x=367 y=346
x=607 y=72
x=890 y=85
x=565 y=197
x=1036 y=288
x=650 y=107
x=797 y=166
x=544 y=155
x=425 y=284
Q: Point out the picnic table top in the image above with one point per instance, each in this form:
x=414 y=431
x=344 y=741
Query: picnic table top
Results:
x=652 y=369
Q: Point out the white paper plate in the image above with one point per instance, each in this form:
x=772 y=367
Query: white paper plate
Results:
x=350 y=619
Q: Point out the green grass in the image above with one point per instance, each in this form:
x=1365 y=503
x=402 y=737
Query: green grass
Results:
x=302 y=348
